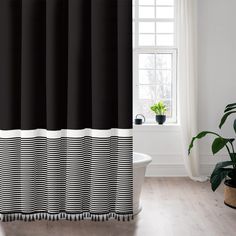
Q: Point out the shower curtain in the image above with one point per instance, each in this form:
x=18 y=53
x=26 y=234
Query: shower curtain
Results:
x=65 y=109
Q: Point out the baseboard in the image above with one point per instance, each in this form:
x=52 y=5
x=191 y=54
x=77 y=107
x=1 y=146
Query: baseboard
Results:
x=166 y=170
x=171 y=165
x=175 y=170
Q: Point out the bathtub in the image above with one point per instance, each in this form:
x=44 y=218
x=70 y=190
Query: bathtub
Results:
x=140 y=162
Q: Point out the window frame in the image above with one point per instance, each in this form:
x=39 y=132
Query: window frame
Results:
x=173 y=50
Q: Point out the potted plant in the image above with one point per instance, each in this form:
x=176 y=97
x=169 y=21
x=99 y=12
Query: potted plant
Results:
x=160 y=110
x=225 y=170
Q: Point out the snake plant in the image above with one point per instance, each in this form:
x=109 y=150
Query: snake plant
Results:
x=226 y=168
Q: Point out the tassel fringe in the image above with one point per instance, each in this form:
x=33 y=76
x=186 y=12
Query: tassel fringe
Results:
x=8 y=217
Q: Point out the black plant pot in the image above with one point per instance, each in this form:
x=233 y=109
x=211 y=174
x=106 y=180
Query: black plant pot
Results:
x=160 y=119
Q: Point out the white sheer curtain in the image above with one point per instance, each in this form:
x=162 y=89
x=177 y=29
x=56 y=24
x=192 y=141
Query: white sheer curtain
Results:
x=187 y=44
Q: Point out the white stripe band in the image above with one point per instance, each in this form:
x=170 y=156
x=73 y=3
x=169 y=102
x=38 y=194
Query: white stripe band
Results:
x=71 y=133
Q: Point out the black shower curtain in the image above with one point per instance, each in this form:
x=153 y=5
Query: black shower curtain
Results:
x=65 y=109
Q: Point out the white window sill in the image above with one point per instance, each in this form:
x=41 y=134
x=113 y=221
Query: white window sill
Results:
x=154 y=127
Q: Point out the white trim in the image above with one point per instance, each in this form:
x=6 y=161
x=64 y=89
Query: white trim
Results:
x=154 y=127
x=155 y=50
x=174 y=97
x=72 y=133
x=175 y=170
x=137 y=19
x=166 y=170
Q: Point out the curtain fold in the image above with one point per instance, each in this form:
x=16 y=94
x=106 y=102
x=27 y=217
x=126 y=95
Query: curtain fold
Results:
x=66 y=109
x=187 y=43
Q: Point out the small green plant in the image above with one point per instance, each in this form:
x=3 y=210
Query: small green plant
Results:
x=226 y=168
x=159 y=108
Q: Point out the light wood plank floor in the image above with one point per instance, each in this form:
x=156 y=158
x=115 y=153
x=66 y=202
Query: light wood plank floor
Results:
x=171 y=206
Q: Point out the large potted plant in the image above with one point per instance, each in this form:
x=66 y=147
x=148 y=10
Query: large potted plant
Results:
x=225 y=170
x=160 y=110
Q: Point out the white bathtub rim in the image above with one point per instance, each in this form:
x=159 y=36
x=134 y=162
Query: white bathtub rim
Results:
x=143 y=162
x=138 y=210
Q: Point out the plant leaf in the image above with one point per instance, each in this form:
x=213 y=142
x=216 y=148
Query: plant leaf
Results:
x=218 y=176
x=229 y=109
x=224 y=118
x=232 y=175
x=218 y=144
x=159 y=108
x=230 y=105
x=222 y=165
x=233 y=157
x=231 y=140
x=199 y=136
x=235 y=125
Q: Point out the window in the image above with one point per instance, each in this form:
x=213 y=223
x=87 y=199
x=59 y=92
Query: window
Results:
x=155 y=57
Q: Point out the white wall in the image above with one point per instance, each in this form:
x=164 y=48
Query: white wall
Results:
x=217 y=87
x=217 y=64
x=163 y=143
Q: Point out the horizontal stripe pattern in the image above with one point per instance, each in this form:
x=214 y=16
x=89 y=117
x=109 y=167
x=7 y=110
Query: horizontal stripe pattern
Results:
x=66 y=177
x=76 y=133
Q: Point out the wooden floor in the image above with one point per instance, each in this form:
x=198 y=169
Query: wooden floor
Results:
x=171 y=206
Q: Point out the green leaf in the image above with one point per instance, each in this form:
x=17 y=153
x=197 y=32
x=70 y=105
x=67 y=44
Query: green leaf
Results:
x=218 y=144
x=233 y=157
x=199 y=136
x=229 y=109
x=218 y=176
x=159 y=108
x=224 y=118
x=220 y=165
x=232 y=175
x=231 y=105
x=231 y=140
x=235 y=125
